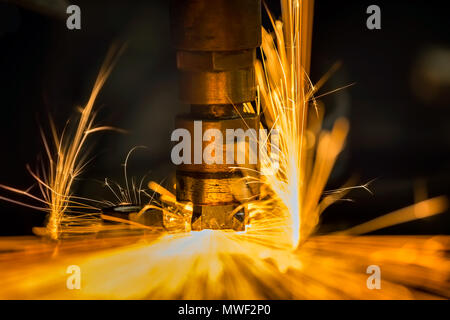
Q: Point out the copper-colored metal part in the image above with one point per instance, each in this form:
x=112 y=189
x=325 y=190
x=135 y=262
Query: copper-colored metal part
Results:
x=222 y=123
x=216 y=45
x=221 y=186
x=225 y=87
x=216 y=25
x=215 y=189
x=223 y=77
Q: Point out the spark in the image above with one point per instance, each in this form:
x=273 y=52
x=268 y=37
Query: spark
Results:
x=65 y=162
x=306 y=153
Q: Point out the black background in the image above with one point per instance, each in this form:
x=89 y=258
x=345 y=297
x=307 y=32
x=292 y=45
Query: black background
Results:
x=400 y=131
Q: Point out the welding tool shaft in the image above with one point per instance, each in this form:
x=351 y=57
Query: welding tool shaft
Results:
x=216 y=45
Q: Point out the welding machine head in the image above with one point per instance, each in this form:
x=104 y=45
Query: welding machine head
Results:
x=216 y=45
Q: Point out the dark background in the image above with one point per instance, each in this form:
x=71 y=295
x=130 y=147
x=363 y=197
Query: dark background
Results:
x=398 y=108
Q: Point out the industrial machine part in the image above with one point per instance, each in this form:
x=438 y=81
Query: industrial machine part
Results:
x=216 y=43
x=133 y=212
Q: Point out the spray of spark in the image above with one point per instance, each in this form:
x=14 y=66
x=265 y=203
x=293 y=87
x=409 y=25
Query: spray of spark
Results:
x=66 y=159
x=305 y=154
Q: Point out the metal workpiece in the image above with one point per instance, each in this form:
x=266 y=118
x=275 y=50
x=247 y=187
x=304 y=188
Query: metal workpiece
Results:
x=151 y=217
x=133 y=212
x=216 y=45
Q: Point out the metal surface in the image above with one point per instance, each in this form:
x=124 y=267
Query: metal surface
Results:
x=225 y=87
x=216 y=25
